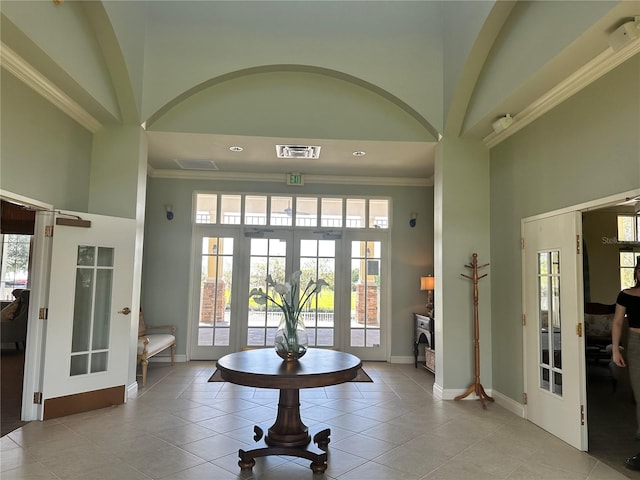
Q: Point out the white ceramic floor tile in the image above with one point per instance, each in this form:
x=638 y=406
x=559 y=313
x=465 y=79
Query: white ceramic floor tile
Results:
x=180 y=426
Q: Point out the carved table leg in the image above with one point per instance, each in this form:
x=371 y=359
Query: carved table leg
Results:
x=288 y=436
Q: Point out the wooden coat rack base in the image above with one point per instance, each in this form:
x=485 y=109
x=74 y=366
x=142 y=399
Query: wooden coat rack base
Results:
x=476 y=387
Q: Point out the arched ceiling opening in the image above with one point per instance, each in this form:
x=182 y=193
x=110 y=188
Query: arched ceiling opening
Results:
x=260 y=107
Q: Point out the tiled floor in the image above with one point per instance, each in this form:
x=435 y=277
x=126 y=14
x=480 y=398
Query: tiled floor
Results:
x=182 y=427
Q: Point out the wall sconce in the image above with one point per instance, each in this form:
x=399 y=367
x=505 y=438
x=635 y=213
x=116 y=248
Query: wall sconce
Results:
x=169 y=210
x=428 y=283
x=412 y=219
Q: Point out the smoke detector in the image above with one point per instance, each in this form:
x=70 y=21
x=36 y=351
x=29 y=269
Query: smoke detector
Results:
x=502 y=123
x=298 y=151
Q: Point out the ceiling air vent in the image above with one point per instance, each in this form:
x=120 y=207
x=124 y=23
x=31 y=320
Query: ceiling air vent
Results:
x=297 y=151
x=196 y=164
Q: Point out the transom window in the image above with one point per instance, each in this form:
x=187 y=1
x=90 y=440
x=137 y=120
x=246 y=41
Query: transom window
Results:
x=301 y=211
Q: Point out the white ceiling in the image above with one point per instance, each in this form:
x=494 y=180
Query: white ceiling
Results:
x=381 y=159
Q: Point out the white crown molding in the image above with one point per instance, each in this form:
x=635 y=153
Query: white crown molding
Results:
x=21 y=69
x=281 y=178
x=581 y=78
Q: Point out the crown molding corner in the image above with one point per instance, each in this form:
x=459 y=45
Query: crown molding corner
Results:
x=25 y=72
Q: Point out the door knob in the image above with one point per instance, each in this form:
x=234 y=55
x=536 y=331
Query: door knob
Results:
x=125 y=311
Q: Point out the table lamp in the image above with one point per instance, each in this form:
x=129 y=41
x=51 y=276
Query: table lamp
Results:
x=428 y=283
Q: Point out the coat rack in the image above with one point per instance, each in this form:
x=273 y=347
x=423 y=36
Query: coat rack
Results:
x=476 y=386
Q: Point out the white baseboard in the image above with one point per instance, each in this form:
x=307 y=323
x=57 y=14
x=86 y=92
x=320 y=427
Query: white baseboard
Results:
x=437 y=391
x=509 y=403
x=452 y=393
x=167 y=358
x=132 y=391
x=403 y=359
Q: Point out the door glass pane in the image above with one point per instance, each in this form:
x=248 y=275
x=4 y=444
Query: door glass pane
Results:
x=365 y=294
x=281 y=211
x=105 y=257
x=317 y=260
x=215 y=291
x=92 y=309
x=79 y=364
x=255 y=210
x=230 y=206
x=550 y=330
x=99 y=362
x=86 y=255
x=266 y=257
x=306 y=212
x=206 y=208
x=102 y=313
x=83 y=306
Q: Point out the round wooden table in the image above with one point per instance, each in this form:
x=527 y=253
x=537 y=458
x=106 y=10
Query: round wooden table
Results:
x=262 y=368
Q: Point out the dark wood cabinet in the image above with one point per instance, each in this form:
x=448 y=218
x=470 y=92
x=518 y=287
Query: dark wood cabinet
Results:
x=424 y=333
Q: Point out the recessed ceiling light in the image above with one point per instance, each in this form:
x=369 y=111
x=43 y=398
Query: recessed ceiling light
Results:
x=236 y=148
x=359 y=153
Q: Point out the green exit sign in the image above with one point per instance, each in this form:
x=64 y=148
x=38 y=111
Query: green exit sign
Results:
x=295 y=179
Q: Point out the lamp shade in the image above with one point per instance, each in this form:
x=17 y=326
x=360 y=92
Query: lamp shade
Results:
x=427 y=283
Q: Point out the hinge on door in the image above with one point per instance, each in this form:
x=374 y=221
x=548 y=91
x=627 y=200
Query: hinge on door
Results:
x=522 y=243
x=43 y=313
x=579 y=329
x=524 y=319
x=524 y=398
x=577 y=244
x=37 y=398
x=581 y=414
x=48 y=231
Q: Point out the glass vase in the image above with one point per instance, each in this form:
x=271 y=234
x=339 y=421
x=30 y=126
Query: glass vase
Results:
x=291 y=339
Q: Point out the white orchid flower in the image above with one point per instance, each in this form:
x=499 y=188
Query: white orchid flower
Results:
x=295 y=277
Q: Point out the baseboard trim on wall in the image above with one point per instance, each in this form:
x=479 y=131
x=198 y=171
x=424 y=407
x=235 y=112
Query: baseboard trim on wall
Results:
x=509 y=403
x=167 y=358
x=132 y=391
x=452 y=393
x=402 y=359
x=437 y=391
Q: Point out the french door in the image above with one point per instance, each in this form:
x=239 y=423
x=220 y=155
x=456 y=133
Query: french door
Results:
x=89 y=316
x=279 y=255
x=554 y=346
x=215 y=324
x=347 y=315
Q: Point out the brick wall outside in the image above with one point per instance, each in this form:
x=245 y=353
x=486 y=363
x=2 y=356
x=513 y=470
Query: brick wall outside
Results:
x=371 y=306
x=208 y=309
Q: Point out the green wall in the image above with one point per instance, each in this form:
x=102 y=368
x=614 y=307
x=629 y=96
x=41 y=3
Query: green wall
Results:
x=585 y=149
x=167 y=252
x=45 y=154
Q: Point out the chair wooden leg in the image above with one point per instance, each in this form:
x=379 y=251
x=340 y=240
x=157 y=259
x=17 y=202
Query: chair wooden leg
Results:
x=173 y=353
x=144 y=362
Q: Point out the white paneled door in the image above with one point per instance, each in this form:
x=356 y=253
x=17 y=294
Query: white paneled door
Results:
x=554 y=346
x=89 y=315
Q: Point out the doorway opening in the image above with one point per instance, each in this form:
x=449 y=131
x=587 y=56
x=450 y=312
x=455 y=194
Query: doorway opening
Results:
x=610 y=242
x=16 y=241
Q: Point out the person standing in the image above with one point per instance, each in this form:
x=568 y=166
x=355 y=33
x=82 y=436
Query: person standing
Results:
x=628 y=303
